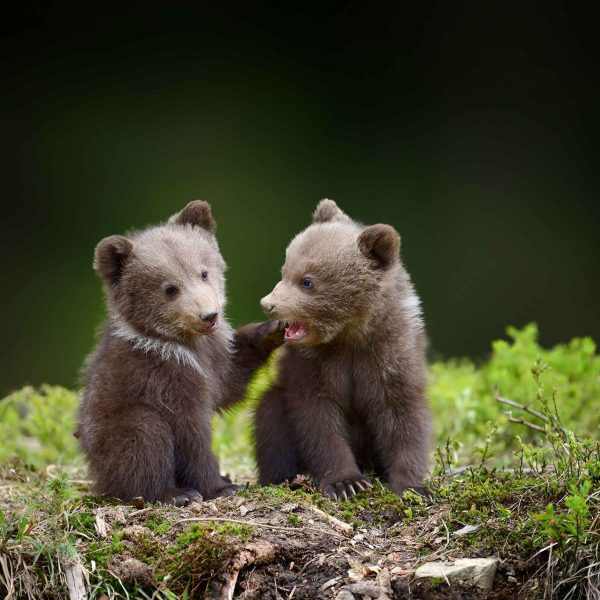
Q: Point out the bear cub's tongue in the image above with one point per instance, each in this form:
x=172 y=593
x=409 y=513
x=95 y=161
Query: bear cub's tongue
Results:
x=295 y=331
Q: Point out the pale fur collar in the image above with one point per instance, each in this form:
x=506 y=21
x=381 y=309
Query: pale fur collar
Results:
x=165 y=349
x=411 y=304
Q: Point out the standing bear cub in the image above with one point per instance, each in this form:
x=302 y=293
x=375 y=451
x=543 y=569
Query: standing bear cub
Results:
x=350 y=391
x=166 y=360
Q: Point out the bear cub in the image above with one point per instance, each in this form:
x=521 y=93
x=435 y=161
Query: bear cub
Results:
x=165 y=361
x=350 y=388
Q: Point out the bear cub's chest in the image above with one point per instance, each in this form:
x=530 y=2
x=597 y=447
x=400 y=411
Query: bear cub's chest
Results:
x=357 y=381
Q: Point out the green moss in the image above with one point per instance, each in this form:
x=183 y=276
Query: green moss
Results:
x=83 y=521
x=103 y=551
x=191 y=561
x=376 y=506
x=194 y=533
x=158 y=524
x=147 y=548
x=195 y=558
x=198 y=531
x=294 y=520
x=240 y=530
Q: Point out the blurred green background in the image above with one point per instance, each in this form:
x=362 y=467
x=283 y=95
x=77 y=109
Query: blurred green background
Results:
x=471 y=127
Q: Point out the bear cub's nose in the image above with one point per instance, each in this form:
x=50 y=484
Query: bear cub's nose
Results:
x=266 y=305
x=209 y=316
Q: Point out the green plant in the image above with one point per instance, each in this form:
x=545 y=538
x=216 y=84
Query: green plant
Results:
x=568 y=529
x=37 y=426
x=13 y=534
x=466 y=394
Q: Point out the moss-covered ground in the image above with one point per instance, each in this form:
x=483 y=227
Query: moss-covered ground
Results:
x=516 y=477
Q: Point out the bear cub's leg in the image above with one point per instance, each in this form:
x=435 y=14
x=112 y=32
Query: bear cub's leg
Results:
x=323 y=444
x=196 y=466
x=402 y=442
x=275 y=452
x=137 y=458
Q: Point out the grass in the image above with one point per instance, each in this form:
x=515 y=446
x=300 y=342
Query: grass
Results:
x=525 y=475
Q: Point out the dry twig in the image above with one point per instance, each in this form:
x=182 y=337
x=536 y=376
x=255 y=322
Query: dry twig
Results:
x=260 y=524
x=526 y=424
x=74 y=575
x=522 y=407
x=345 y=528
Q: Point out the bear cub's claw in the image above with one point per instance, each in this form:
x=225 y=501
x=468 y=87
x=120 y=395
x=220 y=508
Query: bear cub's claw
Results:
x=342 y=490
x=185 y=497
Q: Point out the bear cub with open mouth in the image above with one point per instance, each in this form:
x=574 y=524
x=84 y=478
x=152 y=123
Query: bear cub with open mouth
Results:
x=165 y=361
x=350 y=390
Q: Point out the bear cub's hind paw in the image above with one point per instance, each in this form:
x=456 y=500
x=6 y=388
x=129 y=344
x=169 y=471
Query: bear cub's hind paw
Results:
x=228 y=490
x=183 y=497
x=342 y=490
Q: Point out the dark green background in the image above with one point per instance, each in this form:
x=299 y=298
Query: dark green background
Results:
x=471 y=127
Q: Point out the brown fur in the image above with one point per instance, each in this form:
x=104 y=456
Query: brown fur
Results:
x=159 y=371
x=349 y=396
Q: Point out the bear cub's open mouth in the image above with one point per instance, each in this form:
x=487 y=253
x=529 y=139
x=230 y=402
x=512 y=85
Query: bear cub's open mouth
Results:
x=205 y=329
x=295 y=330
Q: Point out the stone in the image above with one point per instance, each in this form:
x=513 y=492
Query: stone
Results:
x=466 y=530
x=479 y=571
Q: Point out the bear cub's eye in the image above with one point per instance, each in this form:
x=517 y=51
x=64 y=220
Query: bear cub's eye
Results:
x=171 y=291
x=204 y=275
x=308 y=283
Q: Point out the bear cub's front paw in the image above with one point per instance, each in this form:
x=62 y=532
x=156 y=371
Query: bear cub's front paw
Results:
x=270 y=335
x=346 y=488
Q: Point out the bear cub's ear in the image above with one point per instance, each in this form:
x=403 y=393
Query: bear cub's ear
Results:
x=328 y=210
x=380 y=243
x=110 y=257
x=196 y=213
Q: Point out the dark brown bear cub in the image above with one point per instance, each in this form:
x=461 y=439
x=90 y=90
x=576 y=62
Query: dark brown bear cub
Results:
x=350 y=392
x=167 y=358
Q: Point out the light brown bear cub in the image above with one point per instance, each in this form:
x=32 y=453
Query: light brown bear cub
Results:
x=167 y=358
x=350 y=391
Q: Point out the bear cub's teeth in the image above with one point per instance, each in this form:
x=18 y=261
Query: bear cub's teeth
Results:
x=295 y=330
